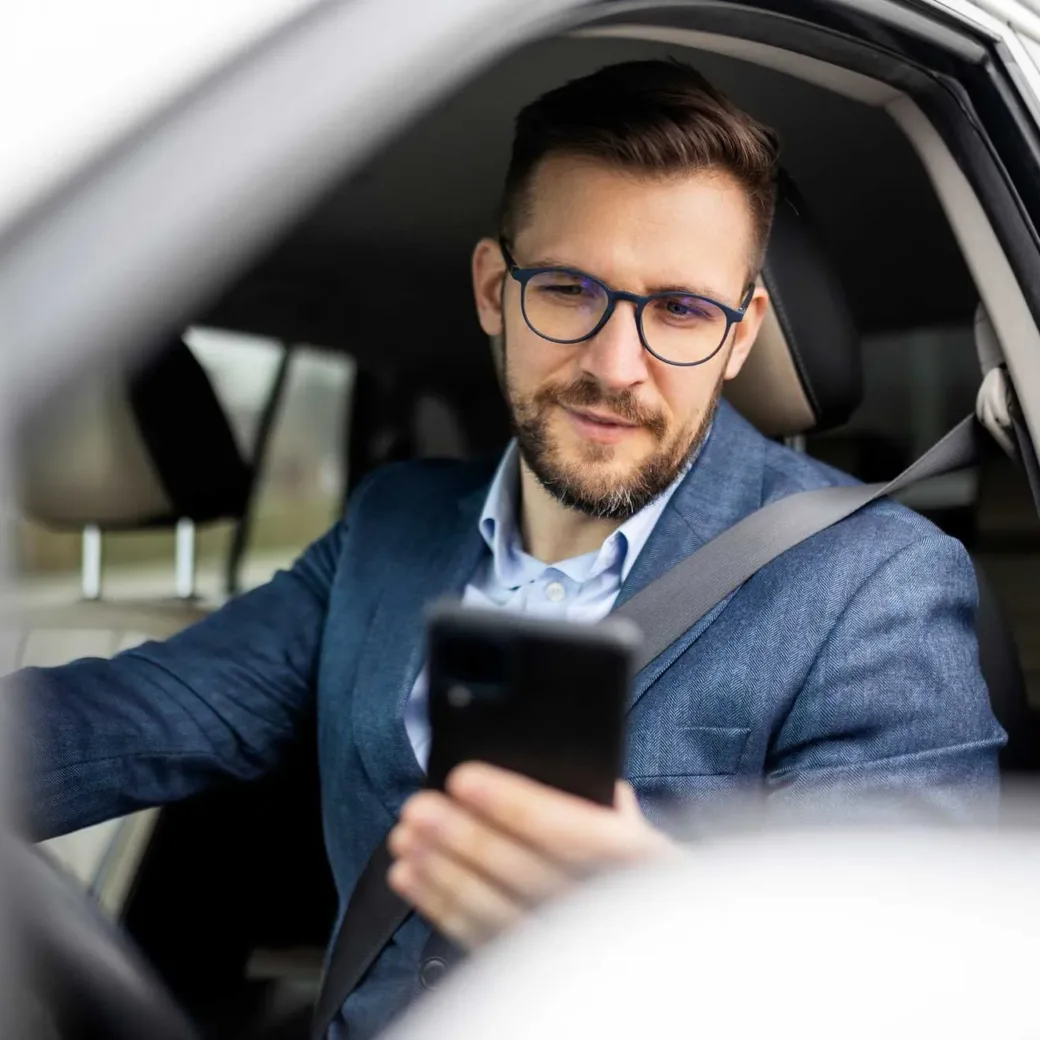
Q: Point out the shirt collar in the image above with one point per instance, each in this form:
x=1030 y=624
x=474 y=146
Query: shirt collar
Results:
x=514 y=567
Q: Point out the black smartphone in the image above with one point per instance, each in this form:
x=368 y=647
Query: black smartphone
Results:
x=542 y=698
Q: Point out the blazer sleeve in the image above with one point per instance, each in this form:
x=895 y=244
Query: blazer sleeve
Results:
x=894 y=708
x=220 y=700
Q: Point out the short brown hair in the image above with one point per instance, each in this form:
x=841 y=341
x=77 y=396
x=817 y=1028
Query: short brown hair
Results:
x=646 y=116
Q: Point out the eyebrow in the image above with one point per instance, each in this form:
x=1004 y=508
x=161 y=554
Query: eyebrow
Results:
x=684 y=290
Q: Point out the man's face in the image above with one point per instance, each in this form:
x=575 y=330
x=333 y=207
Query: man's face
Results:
x=603 y=424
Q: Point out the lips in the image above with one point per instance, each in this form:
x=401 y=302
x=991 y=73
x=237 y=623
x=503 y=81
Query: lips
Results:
x=602 y=420
x=599 y=429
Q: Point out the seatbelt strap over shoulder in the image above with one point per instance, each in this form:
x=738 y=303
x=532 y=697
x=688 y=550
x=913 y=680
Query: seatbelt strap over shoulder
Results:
x=664 y=610
x=679 y=598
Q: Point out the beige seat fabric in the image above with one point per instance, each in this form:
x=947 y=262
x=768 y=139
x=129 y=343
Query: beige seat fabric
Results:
x=768 y=392
x=805 y=373
x=84 y=461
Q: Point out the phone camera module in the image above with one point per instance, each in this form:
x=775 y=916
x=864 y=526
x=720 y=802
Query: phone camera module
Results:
x=460 y=696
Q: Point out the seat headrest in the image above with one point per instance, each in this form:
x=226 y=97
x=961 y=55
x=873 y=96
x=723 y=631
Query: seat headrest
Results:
x=134 y=449
x=805 y=372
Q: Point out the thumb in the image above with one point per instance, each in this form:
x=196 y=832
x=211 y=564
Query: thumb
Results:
x=652 y=843
x=625 y=801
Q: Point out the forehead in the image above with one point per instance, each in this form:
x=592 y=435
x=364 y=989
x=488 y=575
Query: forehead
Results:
x=665 y=229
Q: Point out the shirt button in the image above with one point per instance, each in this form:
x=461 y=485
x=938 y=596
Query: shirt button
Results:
x=554 y=591
x=432 y=971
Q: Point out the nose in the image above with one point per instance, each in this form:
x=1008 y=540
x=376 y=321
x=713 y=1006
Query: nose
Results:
x=615 y=355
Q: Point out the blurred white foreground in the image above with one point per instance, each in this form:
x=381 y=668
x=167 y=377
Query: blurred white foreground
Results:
x=812 y=935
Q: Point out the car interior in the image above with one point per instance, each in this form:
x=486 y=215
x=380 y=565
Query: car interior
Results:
x=870 y=353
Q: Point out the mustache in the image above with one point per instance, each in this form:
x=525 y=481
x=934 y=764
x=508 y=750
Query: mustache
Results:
x=587 y=392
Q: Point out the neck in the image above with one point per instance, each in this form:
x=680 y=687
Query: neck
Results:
x=551 y=532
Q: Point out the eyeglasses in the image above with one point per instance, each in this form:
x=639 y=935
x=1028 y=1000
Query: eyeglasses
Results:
x=565 y=305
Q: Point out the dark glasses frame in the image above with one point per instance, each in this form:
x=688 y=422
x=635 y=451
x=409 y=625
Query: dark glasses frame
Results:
x=523 y=275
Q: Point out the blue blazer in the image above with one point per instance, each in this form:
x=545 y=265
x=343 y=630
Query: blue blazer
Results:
x=847 y=668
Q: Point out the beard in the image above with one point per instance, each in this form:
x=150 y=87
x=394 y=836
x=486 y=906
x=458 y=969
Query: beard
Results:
x=575 y=483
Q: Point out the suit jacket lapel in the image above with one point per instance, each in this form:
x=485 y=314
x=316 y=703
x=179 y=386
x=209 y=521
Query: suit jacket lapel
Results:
x=722 y=486
x=442 y=559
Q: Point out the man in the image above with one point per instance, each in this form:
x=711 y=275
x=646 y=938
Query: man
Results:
x=622 y=294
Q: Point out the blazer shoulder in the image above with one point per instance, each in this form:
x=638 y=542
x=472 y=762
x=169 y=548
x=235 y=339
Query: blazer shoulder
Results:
x=871 y=535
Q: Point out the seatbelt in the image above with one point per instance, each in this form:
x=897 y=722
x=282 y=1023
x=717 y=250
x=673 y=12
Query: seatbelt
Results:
x=373 y=914
x=672 y=604
x=664 y=610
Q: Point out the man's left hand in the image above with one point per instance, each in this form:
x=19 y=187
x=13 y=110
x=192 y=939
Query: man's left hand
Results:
x=472 y=861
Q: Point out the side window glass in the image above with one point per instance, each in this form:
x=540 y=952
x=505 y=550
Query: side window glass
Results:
x=243 y=370
x=302 y=478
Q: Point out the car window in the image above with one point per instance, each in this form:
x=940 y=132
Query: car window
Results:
x=242 y=369
x=302 y=476
x=304 y=470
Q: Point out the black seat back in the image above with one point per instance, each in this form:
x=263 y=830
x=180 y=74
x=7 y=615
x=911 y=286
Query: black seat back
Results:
x=998 y=658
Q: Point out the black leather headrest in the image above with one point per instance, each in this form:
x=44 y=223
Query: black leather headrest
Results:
x=805 y=372
x=140 y=449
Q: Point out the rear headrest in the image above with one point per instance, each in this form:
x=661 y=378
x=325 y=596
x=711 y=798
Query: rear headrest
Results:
x=134 y=450
x=805 y=372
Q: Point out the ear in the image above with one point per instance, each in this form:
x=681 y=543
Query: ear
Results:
x=747 y=331
x=488 y=269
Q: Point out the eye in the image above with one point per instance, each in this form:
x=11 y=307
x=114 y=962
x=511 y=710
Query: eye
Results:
x=565 y=287
x=684 y=307
x=685 y=311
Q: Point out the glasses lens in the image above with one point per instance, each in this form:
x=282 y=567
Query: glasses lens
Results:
x=562 y=305
x=683 y=329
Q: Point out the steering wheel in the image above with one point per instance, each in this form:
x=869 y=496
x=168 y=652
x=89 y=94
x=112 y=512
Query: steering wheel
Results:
x=83 y=976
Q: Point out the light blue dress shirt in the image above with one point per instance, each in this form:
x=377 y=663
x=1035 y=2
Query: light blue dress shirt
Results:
x=582 y=588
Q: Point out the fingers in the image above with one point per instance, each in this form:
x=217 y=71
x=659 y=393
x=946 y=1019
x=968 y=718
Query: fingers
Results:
x=430 y=820
x=625 y=801
x=568 y=830
x=474 y=859
x=460 y=903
